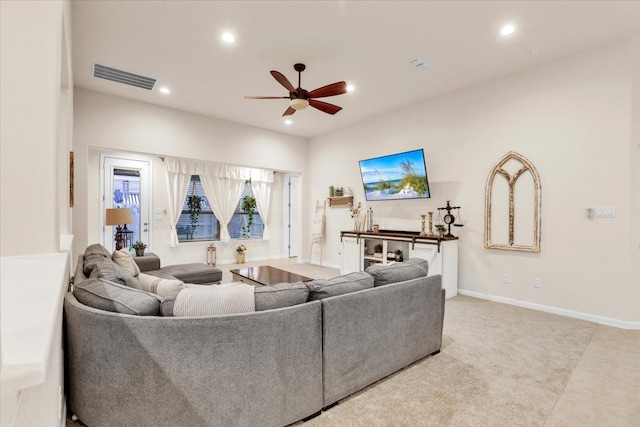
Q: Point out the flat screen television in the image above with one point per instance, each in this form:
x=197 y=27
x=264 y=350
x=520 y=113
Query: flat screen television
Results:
x=395 y=177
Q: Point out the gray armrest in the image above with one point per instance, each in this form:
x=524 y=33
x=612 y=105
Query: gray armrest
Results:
x=147 y=262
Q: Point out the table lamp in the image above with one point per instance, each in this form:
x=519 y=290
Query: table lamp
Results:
x=118 y=216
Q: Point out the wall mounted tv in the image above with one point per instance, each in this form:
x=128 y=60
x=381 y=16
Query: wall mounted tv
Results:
x=396 y=176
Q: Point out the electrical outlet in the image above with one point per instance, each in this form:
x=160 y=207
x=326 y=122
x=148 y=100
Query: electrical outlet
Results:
x=506 y=278
x=537 y=282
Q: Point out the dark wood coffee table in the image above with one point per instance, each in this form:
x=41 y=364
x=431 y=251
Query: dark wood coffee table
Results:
x=265 y=275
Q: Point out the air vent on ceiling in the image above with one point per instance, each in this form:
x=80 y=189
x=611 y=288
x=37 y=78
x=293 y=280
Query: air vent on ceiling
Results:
x=124 y=77
x=418 y=63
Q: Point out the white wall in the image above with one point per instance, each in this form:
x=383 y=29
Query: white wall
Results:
x=33 y=104
x=105 y=123
x=634 y=243
x=572 y=119
x=37 y=107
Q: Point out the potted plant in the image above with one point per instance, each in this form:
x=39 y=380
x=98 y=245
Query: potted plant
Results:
x=377 y=250
x=398 y=255
x=441 y=229
x=240 y=251
x=139 y=247
x=248 y=207
x=195 y=207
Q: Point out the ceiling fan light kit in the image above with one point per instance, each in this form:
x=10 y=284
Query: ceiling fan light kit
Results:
x=301 y=98
x=299 y=104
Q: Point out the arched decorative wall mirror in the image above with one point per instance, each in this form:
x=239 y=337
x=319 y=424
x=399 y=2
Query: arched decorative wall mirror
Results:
x=513 y=223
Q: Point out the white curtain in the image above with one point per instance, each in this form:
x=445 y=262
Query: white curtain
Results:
x=223 y=193
x=262 y=192
x=178 y=175
x=222 y=184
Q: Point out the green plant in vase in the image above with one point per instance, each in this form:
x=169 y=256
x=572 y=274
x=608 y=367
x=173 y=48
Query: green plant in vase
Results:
x=398 y=255
x=248 y=207
x=139 y=247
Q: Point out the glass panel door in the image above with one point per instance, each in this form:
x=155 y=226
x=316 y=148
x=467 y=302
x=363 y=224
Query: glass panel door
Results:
x=127 y=185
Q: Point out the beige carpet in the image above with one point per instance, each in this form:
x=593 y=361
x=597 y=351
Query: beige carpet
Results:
x=500 y=366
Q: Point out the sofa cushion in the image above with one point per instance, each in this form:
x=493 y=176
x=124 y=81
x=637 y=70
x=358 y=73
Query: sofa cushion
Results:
x=111 y=271
x=422 y=263
x=167 y=304
x=280 y=295
x=393 y=273
x=228 y=298
x=197 y=272
x=111 y=296
x=123 y=258
x=351 y=282
x=92 y=255
x=160 y=286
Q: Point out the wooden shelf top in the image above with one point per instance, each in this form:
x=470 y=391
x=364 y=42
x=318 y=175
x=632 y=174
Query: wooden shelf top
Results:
x=409 y=235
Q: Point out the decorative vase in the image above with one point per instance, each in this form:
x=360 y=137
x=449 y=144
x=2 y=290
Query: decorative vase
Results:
x=240 y=257
x=139 y=252
x=357 y=223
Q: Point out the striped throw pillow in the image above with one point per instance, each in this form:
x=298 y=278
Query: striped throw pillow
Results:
x=228 y=298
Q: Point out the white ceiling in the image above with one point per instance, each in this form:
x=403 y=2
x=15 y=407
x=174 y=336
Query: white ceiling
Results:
x=367 y=43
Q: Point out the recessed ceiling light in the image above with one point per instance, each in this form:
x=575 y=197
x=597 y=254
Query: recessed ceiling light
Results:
x=228 y=37
x=165 y=89
x=288 y=122
x=507 y=30
x=350 y=88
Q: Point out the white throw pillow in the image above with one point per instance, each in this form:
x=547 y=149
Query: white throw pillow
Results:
x=228 y=298
x=160 y=286
x=124 y=259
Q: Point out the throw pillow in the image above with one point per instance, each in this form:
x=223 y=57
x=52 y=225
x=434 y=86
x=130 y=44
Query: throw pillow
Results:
x=394 y=273
x=111 y=271
x=169 y=301
x=351 y=282
x=92 y=255
x=160 y=286
x=281 y=295
x=123 y=258
x=228 y=298
x=97 y=249
x=166 y=306
x=111 y=296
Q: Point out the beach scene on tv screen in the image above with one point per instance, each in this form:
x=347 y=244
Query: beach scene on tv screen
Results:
x=397 y=176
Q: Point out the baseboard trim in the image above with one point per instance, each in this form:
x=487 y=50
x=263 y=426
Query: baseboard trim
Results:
x=622 y=324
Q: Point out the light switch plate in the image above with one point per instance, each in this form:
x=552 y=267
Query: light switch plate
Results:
x=605 y=212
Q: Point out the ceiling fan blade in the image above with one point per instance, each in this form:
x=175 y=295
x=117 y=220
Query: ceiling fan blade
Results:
x=283 y=80
x=289 y=111
x=333 y=89
x=324 y=106
x=266 y=97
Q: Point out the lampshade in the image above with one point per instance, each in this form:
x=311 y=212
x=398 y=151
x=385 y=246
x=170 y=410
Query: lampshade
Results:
x=118 y=216
x=299 y=104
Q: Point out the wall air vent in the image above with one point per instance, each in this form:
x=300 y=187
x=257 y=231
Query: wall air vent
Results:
x=124 y=77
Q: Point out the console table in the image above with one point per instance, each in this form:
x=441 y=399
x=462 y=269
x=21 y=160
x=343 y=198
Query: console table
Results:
x=359 y=252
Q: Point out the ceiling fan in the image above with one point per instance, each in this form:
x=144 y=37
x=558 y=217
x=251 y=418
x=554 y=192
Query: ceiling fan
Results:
x=301 y=99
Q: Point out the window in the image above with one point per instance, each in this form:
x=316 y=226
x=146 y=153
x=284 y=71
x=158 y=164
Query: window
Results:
x=202 y=224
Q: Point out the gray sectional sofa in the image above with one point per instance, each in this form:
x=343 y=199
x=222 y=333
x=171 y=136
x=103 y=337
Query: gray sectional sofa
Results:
x=270 y=367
